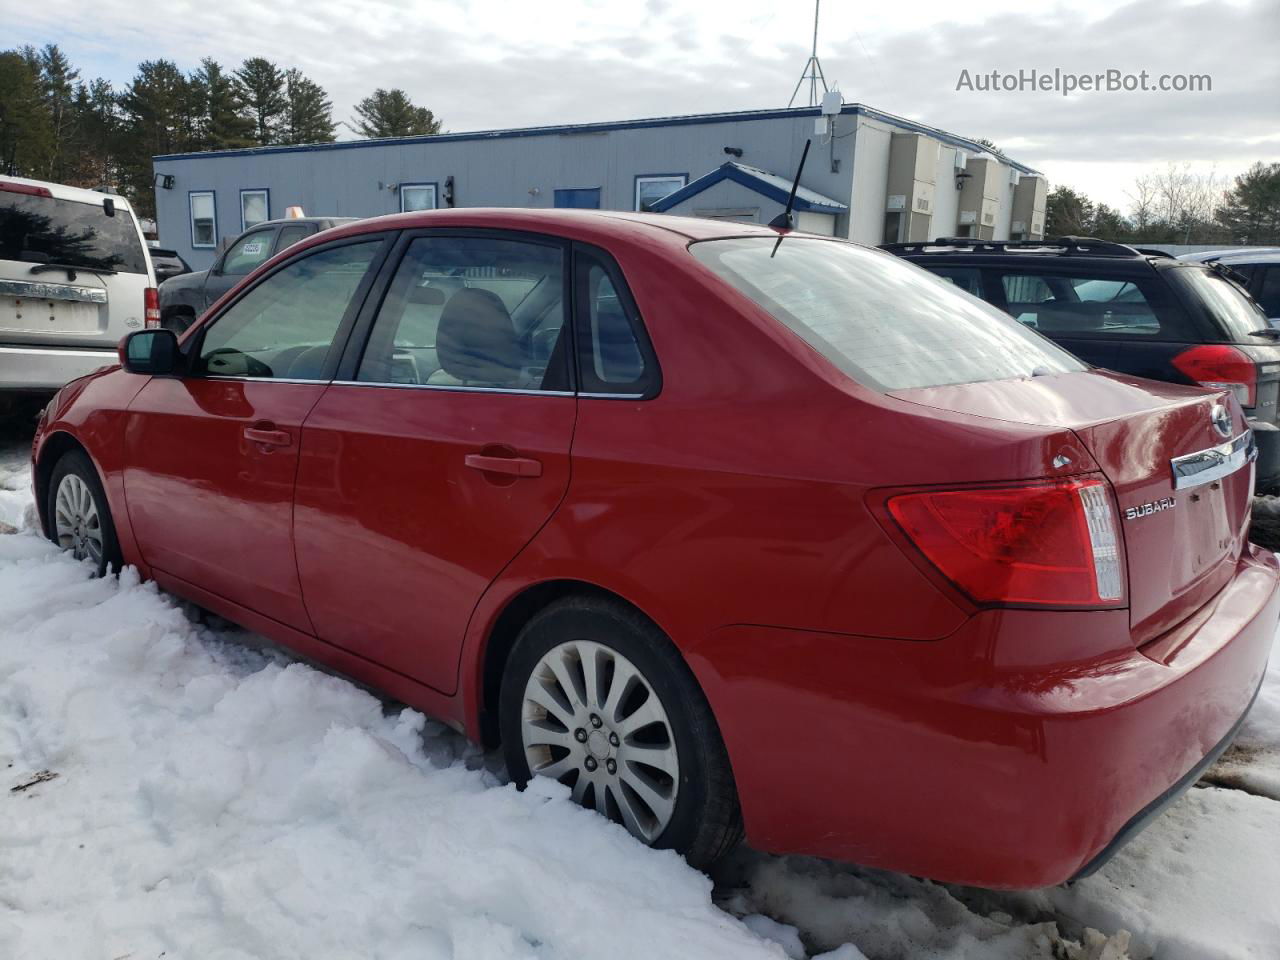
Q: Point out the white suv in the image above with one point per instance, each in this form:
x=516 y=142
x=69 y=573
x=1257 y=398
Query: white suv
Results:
x=75 y=277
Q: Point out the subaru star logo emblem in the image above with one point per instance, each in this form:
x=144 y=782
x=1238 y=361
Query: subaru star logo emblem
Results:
x=1221 y=419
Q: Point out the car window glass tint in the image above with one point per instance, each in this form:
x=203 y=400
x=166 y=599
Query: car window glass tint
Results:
x=968 y=279
x=472 y=312
x=1269 y=291
x=1083 y=305
x=284 y=326
x=46 y=230
x=251 y=250
x=881 y=320
x=1224 y=301
x=615 y=355
x=291 y=235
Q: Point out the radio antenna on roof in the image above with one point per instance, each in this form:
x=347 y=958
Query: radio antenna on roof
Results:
x=812 y=68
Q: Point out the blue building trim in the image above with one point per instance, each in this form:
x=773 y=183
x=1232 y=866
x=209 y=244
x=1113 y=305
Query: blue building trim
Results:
x=191 y=219
x=849 y=109
x=433 y=184
x=731 y=171
x=635 y=184
x=245 y=226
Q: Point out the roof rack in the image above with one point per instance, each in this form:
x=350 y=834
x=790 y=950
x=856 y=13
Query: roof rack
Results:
x=1060 y=246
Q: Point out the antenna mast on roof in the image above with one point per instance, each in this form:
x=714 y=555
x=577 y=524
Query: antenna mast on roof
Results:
x=812 y=68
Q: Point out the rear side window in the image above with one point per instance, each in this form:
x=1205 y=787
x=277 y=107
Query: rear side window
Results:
x=1226 y=304
x=1090 y=306
x=884 y=322
x=472 y=312
x=47 y=230
x=614 y=354
x=968 y=279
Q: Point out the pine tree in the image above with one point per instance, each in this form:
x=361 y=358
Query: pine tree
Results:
x=261 y=87
x=157 y=119
x=390 y=113
x=26 y=133
x=1251 y=208
x=58 y=87
x=222 y=124
x=309 y=111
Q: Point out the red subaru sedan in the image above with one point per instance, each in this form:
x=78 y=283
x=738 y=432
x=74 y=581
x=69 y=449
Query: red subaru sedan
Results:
x=727 y=529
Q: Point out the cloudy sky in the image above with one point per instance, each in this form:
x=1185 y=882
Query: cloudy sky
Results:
x=505 y=63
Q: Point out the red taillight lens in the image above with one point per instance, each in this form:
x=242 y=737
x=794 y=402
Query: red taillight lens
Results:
x=151 y=303
x=1221 y=367
x=1053 y=543
x=8 y=186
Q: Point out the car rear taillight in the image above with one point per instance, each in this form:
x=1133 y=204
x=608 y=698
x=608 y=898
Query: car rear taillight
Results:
x=151 y=302
x=8 y=186
x=1221 y=367
x=1050 y=543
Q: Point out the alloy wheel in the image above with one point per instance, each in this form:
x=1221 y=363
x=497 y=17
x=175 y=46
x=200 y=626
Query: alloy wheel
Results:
x=77 y=522
x=591 y=720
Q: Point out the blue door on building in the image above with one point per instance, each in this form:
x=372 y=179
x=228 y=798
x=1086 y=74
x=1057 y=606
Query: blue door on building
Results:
x=583 y=198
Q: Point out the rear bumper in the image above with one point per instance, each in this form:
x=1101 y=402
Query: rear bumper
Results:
x=1012 y=754
x=32 y=368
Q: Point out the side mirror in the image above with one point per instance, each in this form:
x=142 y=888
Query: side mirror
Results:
x=150 y=352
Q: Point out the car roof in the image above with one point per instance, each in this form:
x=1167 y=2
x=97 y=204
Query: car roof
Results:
x=281 y=221
x=1241 y=259
x=574 y=224
x=1201 y=256
x=61 y=191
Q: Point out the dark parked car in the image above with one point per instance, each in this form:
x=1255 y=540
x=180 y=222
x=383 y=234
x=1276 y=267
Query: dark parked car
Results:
x=721 y=528
x=1259 y=272
x=185 y=297
x=1134 y=311
x=168 y=263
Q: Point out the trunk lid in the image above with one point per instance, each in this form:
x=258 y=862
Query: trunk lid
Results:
x=1181 y=542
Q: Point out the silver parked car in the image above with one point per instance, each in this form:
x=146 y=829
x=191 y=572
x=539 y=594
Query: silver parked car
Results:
x=75 y=277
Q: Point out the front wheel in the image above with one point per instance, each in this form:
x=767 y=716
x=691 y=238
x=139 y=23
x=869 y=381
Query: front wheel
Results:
x=79 y=517
x=595 y=696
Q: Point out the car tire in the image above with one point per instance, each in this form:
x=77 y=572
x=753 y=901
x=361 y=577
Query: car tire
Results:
x=614 y=738
x=81 y=520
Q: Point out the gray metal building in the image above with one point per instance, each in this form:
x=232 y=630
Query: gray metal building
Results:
x=869 y=176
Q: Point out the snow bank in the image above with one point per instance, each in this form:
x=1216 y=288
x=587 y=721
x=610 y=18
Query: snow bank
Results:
x=217 y=803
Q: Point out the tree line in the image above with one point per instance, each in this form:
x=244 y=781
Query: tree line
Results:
x=56 y=126
x=1177 y=205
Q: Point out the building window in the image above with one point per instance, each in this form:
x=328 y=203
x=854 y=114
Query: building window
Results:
x=582 y=198
x=255 y=207
x=204 y=220
x=417 y=196
x=653 y=187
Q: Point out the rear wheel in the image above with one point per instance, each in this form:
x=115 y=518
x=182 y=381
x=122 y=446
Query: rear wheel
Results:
x=79 y=517
x=595 y=696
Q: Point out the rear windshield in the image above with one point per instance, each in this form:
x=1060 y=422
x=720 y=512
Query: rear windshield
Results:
x=885 y=322
x=47 y=230
x=1225 y=302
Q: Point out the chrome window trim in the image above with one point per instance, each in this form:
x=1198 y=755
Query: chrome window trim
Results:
x=216 y=376
x=453 y=387
x=1213 y=463
x=36 y=290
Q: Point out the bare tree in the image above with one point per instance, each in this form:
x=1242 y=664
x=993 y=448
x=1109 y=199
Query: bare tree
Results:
x=1142 y=201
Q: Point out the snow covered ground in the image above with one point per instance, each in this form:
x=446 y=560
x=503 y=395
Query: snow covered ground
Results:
x=207 y=797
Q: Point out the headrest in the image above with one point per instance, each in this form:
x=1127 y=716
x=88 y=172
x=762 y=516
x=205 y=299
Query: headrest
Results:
x=476 y=340
x=429 y=296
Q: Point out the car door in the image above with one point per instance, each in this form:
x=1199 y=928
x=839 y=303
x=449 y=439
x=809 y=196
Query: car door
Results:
x=211 y=456
x=442 y=452
x=249 y=251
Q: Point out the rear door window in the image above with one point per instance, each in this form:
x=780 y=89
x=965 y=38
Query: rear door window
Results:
x=885 y=322
x=1083 y=305
x=37 y=229
x=614 y=354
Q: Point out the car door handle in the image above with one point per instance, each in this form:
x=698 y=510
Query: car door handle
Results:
x=267 y=436
x=512 y=466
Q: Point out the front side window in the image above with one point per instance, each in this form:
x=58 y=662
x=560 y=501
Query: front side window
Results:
x=882 y=321
x=472 y=312
x=417 y=196
x=289 y=235
x=204 y=220
x=649 y=190
x=255 y=207
x=285 y=326
x=1090 y=306
x=249 y=251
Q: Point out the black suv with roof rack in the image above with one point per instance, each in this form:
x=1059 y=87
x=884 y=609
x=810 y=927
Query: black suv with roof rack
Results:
x=1132 y=310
